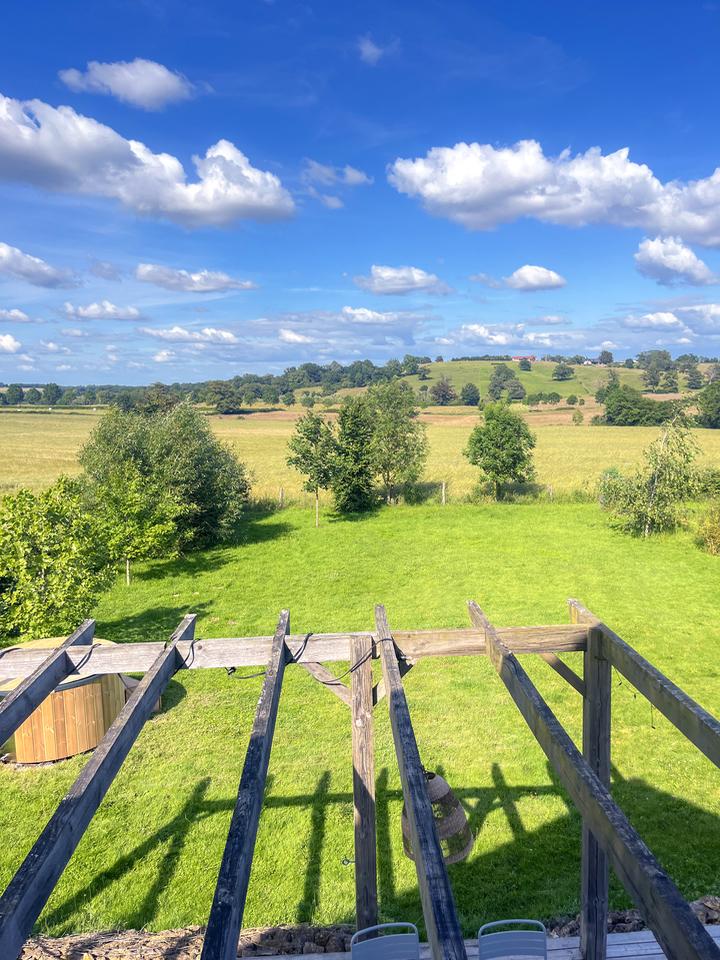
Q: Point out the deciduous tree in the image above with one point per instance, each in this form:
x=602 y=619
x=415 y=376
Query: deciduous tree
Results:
x=312 y=453
x=502 y=447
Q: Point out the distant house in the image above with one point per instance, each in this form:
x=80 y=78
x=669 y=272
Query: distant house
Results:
x=588 y=363
x=529 y=356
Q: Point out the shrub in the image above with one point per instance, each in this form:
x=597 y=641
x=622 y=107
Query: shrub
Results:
x=709 y=530
x=578 y=417
x=647 y=501
x=626 y=407
x=470 y=395
x=709 y=406
x=53 y=562
x=563 y=371
x=443 y=392
x=572 y=399
x=174 y=452
x=525 y=365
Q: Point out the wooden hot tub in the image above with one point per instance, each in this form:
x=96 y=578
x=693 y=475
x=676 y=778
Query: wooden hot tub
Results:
x=71 y=720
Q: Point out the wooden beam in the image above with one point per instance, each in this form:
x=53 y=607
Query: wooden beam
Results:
x=329 y=680
x=17 y=706
x=223 y=929
x=363 y=755
x=404 y=666
x=566 y=672
x=441 y=920
x=318 y=647
x=679 y=932
x=29 y=889
x=596 y=751
x=699 y=726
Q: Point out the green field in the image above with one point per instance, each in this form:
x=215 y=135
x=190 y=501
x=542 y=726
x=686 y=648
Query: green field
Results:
x=38 y=447
x=151 y=855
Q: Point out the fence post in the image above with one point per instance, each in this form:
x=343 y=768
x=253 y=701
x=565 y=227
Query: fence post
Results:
x=363 y=753
x=282 y=497
x=596 y=750
x=443 y=493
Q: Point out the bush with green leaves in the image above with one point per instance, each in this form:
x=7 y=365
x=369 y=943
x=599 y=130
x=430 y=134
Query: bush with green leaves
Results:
x=470 y=395
x=176 y=454
x=399 y=445
x=53 y=561
x=709 y=406
x=501 y=445
x=563 y=371
x=649 y=500
x=709 y=529
x=443 y=392
x=312 y=452
x=353 y=475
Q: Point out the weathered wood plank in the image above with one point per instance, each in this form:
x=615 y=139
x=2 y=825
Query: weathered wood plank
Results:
x=55 y=666
x=223 y=929
x=363 y=755
x=323 y=675
x=404 y=666
x=700 y=727
x=566 y=672
x=318 y=647
x=596 y=750
x=29 y=889
x=676 y=927
x=441 y=920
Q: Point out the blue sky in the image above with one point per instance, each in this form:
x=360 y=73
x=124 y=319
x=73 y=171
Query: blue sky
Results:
x=195 y=190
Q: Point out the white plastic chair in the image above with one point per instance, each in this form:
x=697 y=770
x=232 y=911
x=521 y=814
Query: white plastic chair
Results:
x=512 y=943
x=394 y=946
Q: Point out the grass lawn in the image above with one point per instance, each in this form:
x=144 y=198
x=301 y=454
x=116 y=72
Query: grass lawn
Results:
x=151 y=855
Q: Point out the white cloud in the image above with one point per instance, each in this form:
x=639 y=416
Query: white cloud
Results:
x=291 y=336
x=328 y=175
x=330 y=201
x=702 y=317
x=669 y=261
x=8 y=343
x=51 y=347
x=505 y=335
x=481 y=186
x=14 y=315
x=143 y=83
x=529 y=277
x=178 y=334
x=400 y=280
x=59 y=149
x=164 y=356
x=549 y=320
x=369 y=51
x=105 y=270
x=200 y=281
x=74 y=332
x=364 y=315
x=660 y=320
x=22 y=266
x=63 y=366
x=104 y=310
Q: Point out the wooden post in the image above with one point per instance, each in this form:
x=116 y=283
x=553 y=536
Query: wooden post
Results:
x=443 y=493
x=282 y=497
x=317 y=508
x=223 y=928
x=127 y=571
x=363 y=753
x=596 y=750
x=441 y=919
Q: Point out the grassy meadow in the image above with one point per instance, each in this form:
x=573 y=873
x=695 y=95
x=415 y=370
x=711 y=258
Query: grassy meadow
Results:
x=38 y=447
x=151 y=854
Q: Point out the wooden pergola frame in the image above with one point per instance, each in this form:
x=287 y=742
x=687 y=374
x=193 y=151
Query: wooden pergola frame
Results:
x=608 y=838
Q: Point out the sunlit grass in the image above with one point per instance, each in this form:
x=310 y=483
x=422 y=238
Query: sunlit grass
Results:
x=151 y=855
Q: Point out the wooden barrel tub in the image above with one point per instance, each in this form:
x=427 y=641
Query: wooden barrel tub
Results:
x=73 y=719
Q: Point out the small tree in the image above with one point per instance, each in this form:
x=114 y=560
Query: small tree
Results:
x=443 y=392
x=669 y=382
x=563 y=371
x=647 y=501
x=353 y=473
x=470 y=395
x=525 y=365
x=502 y=447
x=578 y=417
x=709 y=406
x=694 y=378
x=605 y=358
x=312 y=452
x=53 y=561
x=307 y=400
x=33 y=395
x=288 y=398
x=51 y=394
x=14 y=394
x=398 y=448
x=515 y=390
x=572 y=399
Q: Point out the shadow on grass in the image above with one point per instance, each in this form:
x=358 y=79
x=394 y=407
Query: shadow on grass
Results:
x=152 y=624
x=532 y=868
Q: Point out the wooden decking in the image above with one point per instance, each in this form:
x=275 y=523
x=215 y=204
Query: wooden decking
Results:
x=628 y=946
